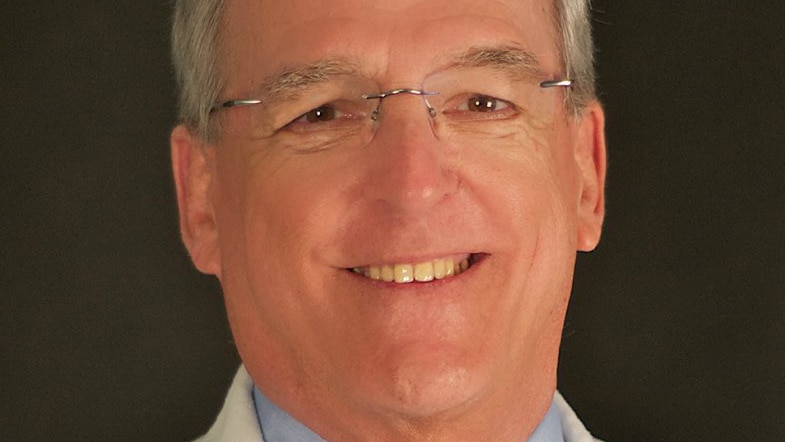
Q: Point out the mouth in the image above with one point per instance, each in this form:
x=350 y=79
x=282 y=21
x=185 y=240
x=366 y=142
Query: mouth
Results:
x=422 y=272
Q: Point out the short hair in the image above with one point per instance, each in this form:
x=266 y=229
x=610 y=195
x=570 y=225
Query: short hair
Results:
x=573 y=21
x=196 y=54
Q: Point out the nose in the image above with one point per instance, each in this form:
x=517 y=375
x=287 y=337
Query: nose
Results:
x=409 y=169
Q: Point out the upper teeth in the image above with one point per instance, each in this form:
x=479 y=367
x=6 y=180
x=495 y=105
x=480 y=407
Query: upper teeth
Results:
x=420 y=272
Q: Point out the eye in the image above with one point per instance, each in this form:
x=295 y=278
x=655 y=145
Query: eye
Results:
x=325 y=117
x=484 y=103
x=479 y=107
x=320 y=114
x=332 y=115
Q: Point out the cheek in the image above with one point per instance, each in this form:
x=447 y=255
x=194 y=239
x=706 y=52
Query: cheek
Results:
x=274 y=216
x=530 y=199
x=527 y=187
x=280 y=212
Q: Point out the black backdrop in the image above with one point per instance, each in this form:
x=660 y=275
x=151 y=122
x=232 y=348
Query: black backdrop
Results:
x=676 y=330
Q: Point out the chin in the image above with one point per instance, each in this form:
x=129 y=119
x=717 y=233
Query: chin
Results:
x=427 y=386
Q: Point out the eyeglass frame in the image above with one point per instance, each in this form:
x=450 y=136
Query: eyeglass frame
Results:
x=567 y=83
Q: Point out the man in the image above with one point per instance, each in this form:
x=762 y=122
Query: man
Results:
x=392 y=194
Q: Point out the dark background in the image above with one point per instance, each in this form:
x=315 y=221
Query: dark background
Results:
x=676 y=331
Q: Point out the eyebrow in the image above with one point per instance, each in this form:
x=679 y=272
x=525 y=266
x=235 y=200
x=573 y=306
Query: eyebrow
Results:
x=512 y=60
x=290 y=81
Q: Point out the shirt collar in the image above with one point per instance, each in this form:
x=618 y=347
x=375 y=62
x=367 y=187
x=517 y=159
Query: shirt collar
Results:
x=549 y=429
x=278 y=426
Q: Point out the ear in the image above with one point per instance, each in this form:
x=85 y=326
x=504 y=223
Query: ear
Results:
x=590 y=156
x=193 y=173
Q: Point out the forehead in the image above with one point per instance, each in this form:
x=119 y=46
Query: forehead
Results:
x=394 y=40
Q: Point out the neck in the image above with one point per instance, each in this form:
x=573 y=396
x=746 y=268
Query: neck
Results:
x=511 y=415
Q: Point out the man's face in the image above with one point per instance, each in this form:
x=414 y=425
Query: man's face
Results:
x=295 y=236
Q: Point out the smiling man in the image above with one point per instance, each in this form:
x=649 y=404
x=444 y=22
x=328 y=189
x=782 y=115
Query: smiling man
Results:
x=392 y=195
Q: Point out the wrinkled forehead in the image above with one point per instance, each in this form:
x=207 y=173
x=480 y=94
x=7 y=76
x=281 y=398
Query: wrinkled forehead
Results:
x=396 y=41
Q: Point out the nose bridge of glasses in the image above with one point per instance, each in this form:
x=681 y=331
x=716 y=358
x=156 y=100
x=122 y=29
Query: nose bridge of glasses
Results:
x=401 y=91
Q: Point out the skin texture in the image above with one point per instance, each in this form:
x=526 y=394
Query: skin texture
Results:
x=472 y=357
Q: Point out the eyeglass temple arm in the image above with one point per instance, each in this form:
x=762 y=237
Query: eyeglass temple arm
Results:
x=556 y=83
x=233 y=103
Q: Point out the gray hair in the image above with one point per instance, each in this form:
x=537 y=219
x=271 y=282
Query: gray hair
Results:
x=573 y=20
x=196 y=54
x=196 y=51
